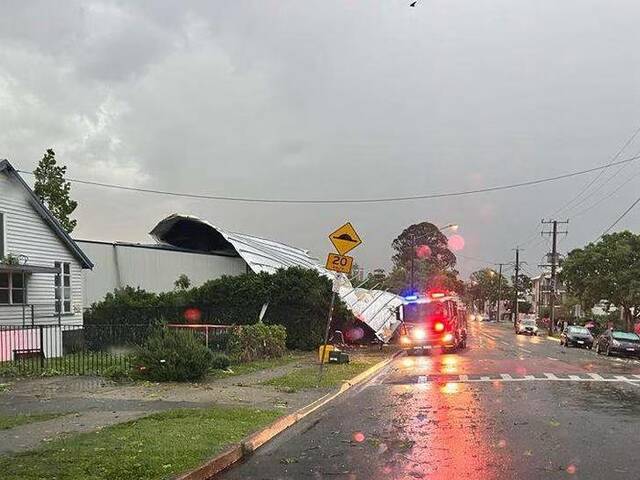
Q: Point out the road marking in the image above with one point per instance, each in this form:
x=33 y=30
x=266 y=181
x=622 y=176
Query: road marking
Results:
x=506 y=377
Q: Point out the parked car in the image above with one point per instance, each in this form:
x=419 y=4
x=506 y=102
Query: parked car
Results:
x=575 y=336
x=614 y=342
x=526 y=326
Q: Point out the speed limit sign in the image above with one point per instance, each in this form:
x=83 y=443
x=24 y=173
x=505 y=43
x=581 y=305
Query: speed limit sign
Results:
x=339 y=263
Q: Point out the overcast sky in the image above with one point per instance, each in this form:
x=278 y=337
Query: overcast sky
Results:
x=329 y=99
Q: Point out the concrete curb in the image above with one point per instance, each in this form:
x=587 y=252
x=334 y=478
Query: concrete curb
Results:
x=246 y=447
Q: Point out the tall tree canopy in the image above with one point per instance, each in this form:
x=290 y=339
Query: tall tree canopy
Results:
x=607 y=270
x=433 y=261
x=484 y=285
x=52 y=190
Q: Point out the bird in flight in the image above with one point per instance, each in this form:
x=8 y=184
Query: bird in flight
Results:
x=413 y=4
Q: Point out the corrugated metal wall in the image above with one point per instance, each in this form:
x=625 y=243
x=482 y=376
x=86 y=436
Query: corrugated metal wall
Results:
x=153 y=269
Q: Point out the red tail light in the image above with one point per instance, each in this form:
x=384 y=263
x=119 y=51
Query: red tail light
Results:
x=438 y=326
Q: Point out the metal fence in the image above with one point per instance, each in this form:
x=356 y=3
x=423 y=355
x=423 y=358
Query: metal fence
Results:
x=31 y=314
x=68 y=349
x=85 y=349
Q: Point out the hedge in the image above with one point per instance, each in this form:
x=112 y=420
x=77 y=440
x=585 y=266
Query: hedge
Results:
x=298 y=299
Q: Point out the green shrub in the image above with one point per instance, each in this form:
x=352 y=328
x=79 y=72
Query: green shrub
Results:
x=299 y=300
x=117 y=373
x=220 y=361
x=173 y=355
x=258 y=341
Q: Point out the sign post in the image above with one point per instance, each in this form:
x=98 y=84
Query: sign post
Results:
x=344 y=239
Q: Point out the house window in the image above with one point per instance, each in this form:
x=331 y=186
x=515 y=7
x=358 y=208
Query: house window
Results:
x=63 y=287
x=12 y=289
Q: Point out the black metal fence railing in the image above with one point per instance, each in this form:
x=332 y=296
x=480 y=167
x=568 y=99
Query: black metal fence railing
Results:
x=30 y=314
x=68 y=349
x=85 y=349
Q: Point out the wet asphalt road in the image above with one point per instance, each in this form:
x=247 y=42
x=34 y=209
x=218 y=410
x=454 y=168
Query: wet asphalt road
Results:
x=509 y=407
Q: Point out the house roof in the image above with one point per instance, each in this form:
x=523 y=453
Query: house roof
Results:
x=46 y=215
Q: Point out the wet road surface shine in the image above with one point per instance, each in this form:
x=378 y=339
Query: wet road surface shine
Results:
x=494 y=411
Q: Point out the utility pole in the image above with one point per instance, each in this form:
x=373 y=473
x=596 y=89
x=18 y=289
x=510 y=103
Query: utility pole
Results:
x=554 y=262
x=499 y=291
x=413 y=254
x=515 y=287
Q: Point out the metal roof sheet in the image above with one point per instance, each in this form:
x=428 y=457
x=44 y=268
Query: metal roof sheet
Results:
x=373 y=307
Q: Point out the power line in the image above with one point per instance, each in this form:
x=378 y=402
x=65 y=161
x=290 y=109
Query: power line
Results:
x=619 y=218
x=597 y=177
x=584 y=189
x=609 y=195
x=361 y=200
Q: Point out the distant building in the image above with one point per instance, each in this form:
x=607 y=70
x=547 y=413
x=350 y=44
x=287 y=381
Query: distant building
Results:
x=541 y=293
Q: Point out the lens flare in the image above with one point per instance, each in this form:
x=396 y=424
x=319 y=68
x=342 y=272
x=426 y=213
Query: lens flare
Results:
x=423 y=251
x=192 y=315
x=455 y=242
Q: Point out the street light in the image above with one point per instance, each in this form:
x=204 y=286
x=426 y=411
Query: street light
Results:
x=452 y=226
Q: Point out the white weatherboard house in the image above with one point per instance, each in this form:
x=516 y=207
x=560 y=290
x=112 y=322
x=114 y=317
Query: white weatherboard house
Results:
x=40 y=265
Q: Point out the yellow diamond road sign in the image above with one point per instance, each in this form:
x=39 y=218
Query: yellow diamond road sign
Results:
x=345 y=238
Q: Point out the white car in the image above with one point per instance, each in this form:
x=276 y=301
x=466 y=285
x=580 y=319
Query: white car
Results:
x=527 y=327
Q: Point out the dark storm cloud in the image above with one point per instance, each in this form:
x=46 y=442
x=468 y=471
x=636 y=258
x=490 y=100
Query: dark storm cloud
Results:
x=325 y=99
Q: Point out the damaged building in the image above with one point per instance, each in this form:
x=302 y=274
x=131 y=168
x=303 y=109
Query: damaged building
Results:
x=189 y=245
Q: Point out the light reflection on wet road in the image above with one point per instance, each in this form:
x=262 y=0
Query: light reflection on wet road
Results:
x=473 y=414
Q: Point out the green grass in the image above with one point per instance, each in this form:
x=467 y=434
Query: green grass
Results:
x=307 y=378
x=251 y=367
x=83 y=363
x=10 y=421
x=154 y=447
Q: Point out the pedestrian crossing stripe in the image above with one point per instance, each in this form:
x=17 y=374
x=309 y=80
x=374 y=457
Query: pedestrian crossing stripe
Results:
x=509 y=377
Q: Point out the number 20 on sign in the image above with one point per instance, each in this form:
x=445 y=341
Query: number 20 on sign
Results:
x=339 y=263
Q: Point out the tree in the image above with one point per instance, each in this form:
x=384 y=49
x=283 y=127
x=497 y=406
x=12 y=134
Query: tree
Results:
x=525 y=287
x=427 y=246
x=606 y=270
x=53 y=191
x=483 y=287
x=182 y=282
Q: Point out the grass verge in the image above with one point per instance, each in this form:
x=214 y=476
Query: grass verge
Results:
x=81 y=363
x=307 y=378
x=251 y=367
x=154 y=447
x=10 y=421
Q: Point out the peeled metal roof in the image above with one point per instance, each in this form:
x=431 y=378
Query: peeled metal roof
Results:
x=373 y=307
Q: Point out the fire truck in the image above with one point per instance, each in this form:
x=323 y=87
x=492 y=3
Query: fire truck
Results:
x=436 y=320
